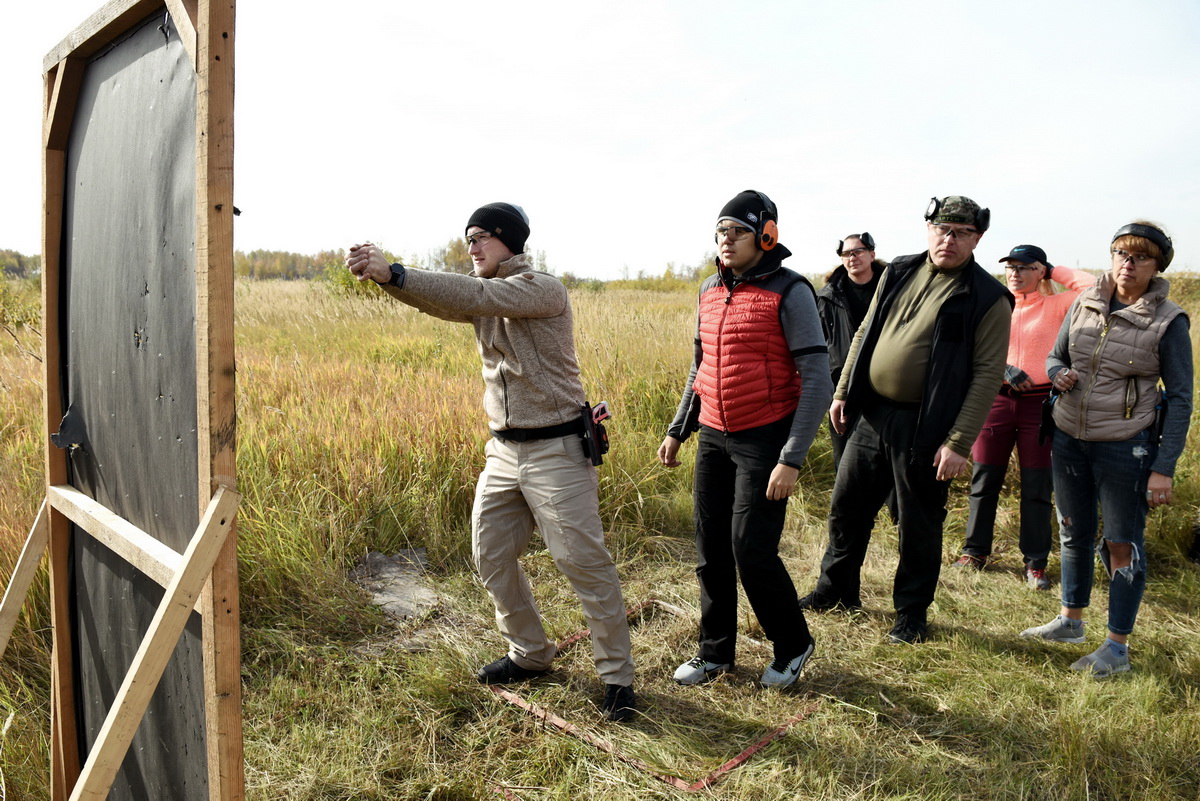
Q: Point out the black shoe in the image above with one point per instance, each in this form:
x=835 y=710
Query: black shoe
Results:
x=814 y=602
x=620 y=704
x=910 y=628
x=506 y=671
x=1194 y=551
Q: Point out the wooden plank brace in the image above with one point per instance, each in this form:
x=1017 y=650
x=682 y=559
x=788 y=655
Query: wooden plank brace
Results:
x=129 y=705
x=22 y=577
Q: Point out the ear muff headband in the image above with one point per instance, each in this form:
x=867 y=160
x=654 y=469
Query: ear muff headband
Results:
x=768 y=226
x=867 y=240
x=1153 y=234
x=983 y=217
x=769 y=237
x=932 y=209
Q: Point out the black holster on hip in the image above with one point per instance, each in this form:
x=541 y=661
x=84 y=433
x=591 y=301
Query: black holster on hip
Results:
x=595 y=437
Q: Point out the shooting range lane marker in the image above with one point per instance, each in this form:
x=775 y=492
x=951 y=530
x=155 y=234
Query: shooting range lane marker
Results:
x=562 y=725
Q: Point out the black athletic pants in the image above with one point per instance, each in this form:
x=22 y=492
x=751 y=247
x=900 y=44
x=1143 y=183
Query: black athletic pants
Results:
x=878 y=456
x=737 y=532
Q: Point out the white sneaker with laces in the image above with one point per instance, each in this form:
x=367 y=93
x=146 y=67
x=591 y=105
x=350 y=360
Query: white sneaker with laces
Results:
x=781 y=673
x=699 y=670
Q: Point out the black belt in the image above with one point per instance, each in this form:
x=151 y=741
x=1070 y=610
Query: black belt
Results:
x=548 y=432
x=1038 y=389
x=893 y=404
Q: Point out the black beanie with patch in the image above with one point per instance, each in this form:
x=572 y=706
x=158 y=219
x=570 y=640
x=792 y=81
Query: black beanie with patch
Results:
x=746 y=208
x=504 y=221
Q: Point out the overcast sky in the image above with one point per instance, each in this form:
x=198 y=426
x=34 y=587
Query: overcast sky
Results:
x=623 y=127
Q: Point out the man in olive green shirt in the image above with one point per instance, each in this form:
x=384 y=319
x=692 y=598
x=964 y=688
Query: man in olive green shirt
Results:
x=919 y=380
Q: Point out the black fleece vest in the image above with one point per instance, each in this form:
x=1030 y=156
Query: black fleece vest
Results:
x=950 y=356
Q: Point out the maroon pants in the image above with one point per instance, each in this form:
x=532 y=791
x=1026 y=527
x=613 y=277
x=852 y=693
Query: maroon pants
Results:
x=1013 y=420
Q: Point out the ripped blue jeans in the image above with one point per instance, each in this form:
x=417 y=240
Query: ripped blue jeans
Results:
x=1090 y=477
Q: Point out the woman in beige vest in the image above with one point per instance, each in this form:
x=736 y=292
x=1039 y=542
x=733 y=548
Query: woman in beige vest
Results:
x=1116 y=446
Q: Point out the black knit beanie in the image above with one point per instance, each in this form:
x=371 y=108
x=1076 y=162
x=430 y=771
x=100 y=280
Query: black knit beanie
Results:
x=747 y=208
x=504 y=221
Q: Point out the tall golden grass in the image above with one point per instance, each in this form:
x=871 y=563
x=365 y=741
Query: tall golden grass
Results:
x=361 y=428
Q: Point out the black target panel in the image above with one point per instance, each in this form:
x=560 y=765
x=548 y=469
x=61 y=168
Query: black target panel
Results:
x=129 y=377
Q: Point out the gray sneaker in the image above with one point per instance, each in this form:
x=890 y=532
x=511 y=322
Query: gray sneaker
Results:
x=1103 y=662
x=1057 y=630
x=1036 y=578
x=699 y=670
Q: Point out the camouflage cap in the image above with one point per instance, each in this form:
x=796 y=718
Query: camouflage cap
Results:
x=956 y=209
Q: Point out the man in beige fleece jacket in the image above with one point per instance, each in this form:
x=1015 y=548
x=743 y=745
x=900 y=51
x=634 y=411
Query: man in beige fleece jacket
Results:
x=536 y=472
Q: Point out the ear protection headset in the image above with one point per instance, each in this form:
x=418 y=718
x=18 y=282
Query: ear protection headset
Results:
x=766 y=230
x=867 y=240
x=768 y=224
x=983 y=217
x=1154 y=235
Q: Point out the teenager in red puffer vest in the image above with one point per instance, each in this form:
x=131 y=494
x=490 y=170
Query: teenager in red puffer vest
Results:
x=757 y=391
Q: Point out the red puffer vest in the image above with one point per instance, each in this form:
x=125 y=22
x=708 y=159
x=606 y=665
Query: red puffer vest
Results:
x=747 y=377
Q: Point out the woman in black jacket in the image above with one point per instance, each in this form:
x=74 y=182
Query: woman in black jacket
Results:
x=842 y=304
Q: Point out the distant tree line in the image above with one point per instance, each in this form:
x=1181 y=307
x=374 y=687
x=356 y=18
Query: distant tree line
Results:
x=452 y=257
x=18 y=265
x=283 y=265
x=279 y=264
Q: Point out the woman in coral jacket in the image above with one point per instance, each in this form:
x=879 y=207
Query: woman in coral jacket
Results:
x=1016 y=414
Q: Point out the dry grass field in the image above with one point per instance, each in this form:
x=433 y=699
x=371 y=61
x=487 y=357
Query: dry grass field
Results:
x=361 y=429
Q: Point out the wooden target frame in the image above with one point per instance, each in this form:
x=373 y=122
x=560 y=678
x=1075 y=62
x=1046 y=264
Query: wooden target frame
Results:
x=188 y=591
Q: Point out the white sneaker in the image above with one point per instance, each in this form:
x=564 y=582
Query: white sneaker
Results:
x=698 y=671
x=782 y=673
x=1057 y=630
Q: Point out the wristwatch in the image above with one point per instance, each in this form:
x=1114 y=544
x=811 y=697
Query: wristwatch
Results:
x=397 y=279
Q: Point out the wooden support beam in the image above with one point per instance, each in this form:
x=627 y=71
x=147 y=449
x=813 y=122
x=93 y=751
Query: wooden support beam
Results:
x=64 y=734
x=216 y=389
x=157 y=560
x=63 y=96
x=111 y=20
x=22 y=577
x=183 y=14
x=64 y=724
x=129 y=705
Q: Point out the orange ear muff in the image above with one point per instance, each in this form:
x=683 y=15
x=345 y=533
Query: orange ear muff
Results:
x=770 y=235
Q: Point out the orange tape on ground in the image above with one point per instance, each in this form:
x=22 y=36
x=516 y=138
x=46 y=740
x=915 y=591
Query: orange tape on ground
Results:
x=590 y=739
x=608 y=748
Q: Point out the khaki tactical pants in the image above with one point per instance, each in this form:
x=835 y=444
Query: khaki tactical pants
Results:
x=548 y=483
